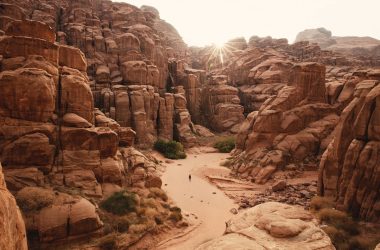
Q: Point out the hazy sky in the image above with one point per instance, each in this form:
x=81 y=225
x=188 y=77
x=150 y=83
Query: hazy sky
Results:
x=202 y=22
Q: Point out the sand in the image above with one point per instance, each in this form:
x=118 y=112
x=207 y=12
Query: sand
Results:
x=197 y=198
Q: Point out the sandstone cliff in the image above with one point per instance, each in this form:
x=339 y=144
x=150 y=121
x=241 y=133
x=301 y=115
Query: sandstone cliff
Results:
x=57 y=150
x=349 y=168
x=12 y=226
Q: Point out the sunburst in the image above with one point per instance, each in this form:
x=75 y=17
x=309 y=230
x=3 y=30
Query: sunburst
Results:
x=219 y=52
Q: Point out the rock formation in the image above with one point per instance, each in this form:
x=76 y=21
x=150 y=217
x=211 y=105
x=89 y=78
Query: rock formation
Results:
x=57 y=151
x=349 y=168
x=362 y=48
x=12 y=226
x=288 y=127
x=271 y=225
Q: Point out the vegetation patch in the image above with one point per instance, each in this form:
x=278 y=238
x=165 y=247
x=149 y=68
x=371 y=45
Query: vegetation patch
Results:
x=343 y=230
x=170 y=149
x=34 y=198
x=120 y=203
x=318 y=202
x=225 y=145
x=108 y=242
x=157 y=193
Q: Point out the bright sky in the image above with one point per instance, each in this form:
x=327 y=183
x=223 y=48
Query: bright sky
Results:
x=203 y=22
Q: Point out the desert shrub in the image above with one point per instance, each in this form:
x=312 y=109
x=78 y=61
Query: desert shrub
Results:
x=157 y=193
x=120 y=203
x=151 y=213
x=175 y=216
x=342 y=230
x=170 y=149
x=360 y=243
x=137 y=228
x=34 y=198
x=175 y=209
x=123 y=224
x=338 y=237
x=150 y=202
x=333 y=216
x=108 y=242
x=318 y=202
x=225 y=145
x=226 y=163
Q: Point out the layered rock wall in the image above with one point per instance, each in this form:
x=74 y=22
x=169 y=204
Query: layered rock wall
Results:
x=349 y=168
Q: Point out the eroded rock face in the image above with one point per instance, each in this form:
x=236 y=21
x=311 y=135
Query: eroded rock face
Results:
x=12 y=226
x=349 y=168
x=272 y=225
x=288 y=127
x=52 y=138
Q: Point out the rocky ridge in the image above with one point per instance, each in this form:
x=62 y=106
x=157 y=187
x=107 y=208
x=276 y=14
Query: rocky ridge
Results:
x=362 y=48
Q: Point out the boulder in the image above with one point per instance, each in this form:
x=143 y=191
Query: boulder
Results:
x=272 y=225
x=30 y=94
x=72 y=57
x=134 y=72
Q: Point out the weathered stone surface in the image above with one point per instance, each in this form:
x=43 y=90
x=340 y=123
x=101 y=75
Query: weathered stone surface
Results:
x=349 y=168
x=288 y=127
x=30 y=94
x=134 y=72
x=12 y=226
x=76 y=97
x=272 y=225
x=72 y=57
x=31 y=28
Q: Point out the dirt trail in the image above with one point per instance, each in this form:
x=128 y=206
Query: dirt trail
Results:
x=197 y=198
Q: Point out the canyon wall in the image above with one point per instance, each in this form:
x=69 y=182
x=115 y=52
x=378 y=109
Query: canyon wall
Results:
x=349 y=168
x=12 y=227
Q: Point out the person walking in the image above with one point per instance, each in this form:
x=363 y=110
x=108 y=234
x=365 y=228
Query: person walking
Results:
x=189 y=177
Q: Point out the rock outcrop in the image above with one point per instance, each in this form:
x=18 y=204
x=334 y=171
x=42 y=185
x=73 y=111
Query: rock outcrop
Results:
x=53 y=143
x=363 y=48
x=12 y=226
x=289 y=127
x=349 y=168
x=272 y=225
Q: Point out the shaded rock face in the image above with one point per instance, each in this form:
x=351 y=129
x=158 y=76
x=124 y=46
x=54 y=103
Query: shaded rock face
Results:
x=289 y=127
x=267 y=226
x=211 y=101
x=349 y=168
x=12 y=226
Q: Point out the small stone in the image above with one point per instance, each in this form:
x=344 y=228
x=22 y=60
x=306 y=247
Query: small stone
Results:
x=279 y=186
x=234 y=211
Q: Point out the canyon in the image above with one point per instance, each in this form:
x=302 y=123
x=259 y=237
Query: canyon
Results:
x=89 y=86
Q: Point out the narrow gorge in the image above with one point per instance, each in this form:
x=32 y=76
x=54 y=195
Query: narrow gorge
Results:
x=90 y=88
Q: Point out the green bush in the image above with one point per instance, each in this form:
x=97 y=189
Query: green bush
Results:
x=120 y=203
x=225 y=145
x=170 y=149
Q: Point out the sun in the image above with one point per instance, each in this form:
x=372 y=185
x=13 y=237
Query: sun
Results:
x=219 y=45
x=219 y=52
